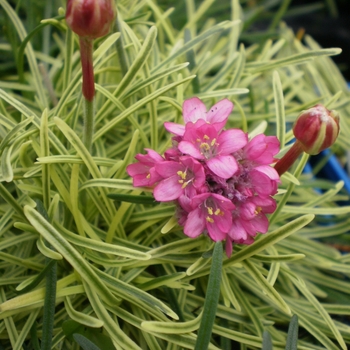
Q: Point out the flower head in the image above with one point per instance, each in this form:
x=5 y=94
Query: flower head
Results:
x=221 y=182
x=90 y=18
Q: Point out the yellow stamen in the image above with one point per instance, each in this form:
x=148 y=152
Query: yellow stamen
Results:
x=206 y=137
x=205 y=146
x=210 y=210
x=209 y=219
x=213 y=142
x=148 y=176
x=257 y=210
x=182 y=174
x=219 y=212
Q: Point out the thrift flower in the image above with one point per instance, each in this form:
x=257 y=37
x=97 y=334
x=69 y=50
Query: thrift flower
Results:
x=143 y=172
x=194 y=109
x=185 y=176
x=215 y=149
x=221 y=182
x=210 y=212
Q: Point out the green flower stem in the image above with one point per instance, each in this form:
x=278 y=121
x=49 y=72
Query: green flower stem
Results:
x=211 y=300
x=88 y=130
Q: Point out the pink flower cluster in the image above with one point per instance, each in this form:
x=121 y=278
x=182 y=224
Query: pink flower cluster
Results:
x=221 y=182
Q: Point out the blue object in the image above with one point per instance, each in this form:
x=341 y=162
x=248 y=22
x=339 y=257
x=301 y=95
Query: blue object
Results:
x=332 y=170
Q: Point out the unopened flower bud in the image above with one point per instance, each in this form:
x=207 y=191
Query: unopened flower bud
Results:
x=90 y=18
x=316 y=129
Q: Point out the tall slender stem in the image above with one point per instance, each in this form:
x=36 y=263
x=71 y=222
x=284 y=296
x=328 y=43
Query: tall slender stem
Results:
x=289 y=158
x=86 y=51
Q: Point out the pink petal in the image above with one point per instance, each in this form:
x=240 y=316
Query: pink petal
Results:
x=262 y=184
x=168 y=189
x=260 y=223
x=220 y=111
x=214 y=232
x=193 y=109
x=269 y=171
x=187 y=147
x=168 y=168
x=136 y=169
x=176 y=129
x=195 y=223
x=140 y=180
x=247 y=211
x=237 y=231
x=223 y=166
x=231 y=140
x=224 y=222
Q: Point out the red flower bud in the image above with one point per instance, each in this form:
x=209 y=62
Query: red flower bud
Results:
x=316 y=129
x=90 y=18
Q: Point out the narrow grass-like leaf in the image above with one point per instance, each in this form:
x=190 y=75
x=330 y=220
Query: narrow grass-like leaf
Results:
x=279 y=107
x=86 y=156
x=292 y=338
x=111 y=183
x=26 y=330
x=85 y=343
x=273 y=295
x=29 y=52
x=172 y=327
x=136 y=106
x=324 y=314
x=80 y=317
x=7 y=196
x=267 y=342
x=68 y=252
x=44 y=250
x=196 y=40
x=6 y=167
x=105 y=248
x=291 y=60
x=44 y=152
x=119 y=197
x=211 y=299
x=14 y=132
x=224 y=92
x=49 y=305
x=135 y=295
x=269 y=239
x=109 y=324
x=36 y=280
x=137 y=64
